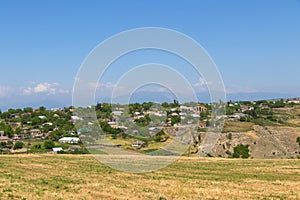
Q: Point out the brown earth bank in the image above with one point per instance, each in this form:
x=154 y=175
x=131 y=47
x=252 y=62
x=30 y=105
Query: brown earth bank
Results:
x=263 y=141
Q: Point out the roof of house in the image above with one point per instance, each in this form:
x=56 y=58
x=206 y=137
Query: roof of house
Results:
x=137 y=143
x=55 y=149
x=2 y=138
x=69 y=139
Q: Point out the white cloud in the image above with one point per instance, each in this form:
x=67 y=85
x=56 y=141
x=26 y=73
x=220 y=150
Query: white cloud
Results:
x=44 y=88
x=201 y=85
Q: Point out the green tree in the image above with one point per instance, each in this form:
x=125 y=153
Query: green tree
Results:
x=298 y=140
x=9 y=131
x=165 y=105
x=28 y=109
x=241 y=151
x=18 y=145
x=48 y=144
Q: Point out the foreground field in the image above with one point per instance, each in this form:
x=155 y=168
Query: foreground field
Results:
x=82 y=177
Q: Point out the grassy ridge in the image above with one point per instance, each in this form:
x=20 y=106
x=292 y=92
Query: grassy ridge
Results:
x=82 y=177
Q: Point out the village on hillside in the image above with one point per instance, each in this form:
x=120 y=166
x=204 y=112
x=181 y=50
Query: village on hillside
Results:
x=259 y=129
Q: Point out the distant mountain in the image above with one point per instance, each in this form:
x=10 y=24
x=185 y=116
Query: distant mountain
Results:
x=204 y=97
x=65 y=100
x=257 y=96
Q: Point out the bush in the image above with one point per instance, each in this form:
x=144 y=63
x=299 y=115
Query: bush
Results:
x=49 y=144
x=229 y=136
x=298 y=140
x=18 y=145
x=241 y=151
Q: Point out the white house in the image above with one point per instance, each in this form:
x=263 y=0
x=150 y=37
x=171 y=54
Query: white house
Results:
x=57 y=149
x=294 y=101
x=117 y=112
x=70 y=140
x=138 y=144
x=76 y=118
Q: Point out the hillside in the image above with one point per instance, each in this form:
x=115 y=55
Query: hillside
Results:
x=272 y=136
x=260 y=129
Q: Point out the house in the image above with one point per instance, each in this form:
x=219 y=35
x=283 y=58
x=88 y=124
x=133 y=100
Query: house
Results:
x=113 y=124
x=153 y=129
x=14 y=116
x=124 y=128
x=76 y=118
x=55 y=109
x=69 y=140
x=174 y=114
x=20 y=137
x=35 y=133
x=117 y=112
x=120 y=109
x=264 y=107
x=138 y=116
x=48 y=123
x=74 y=148
x=4 y=138
x=195 y=115
x=294 y=101
x=236 y=116
x=200 y=108
x=138 y=144
x=14 y=124
x=245 y=108
x=186 y=108
x=137 y=113
x=57 y=149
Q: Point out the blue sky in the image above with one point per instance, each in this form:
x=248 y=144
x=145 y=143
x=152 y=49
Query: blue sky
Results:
x=254 y=43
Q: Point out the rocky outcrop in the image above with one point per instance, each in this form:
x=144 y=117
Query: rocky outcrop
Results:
x=264 y=142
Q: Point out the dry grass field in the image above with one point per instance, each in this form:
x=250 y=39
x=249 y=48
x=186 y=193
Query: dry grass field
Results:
x=75 y=177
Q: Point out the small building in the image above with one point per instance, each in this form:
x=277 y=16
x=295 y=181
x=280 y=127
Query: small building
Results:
x=200 y=108
x=174 y=114
x=74 y=148
x=294 y=101
x=14 y=124
x=113 y=124
x=35 y=133
x=245 y=108
x=4 y=138
x=42 y=117
x=76 y=118
x=117 y=112
x=69 y=140
x=138 y=144
x=195 y=115
x=57 y=149
x=186 y=108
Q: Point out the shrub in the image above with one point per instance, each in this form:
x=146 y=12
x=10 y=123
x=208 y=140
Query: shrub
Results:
x=241 y=151
x=49 y=144
x=298 y=140
x=18 y=145
x=229 y=136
